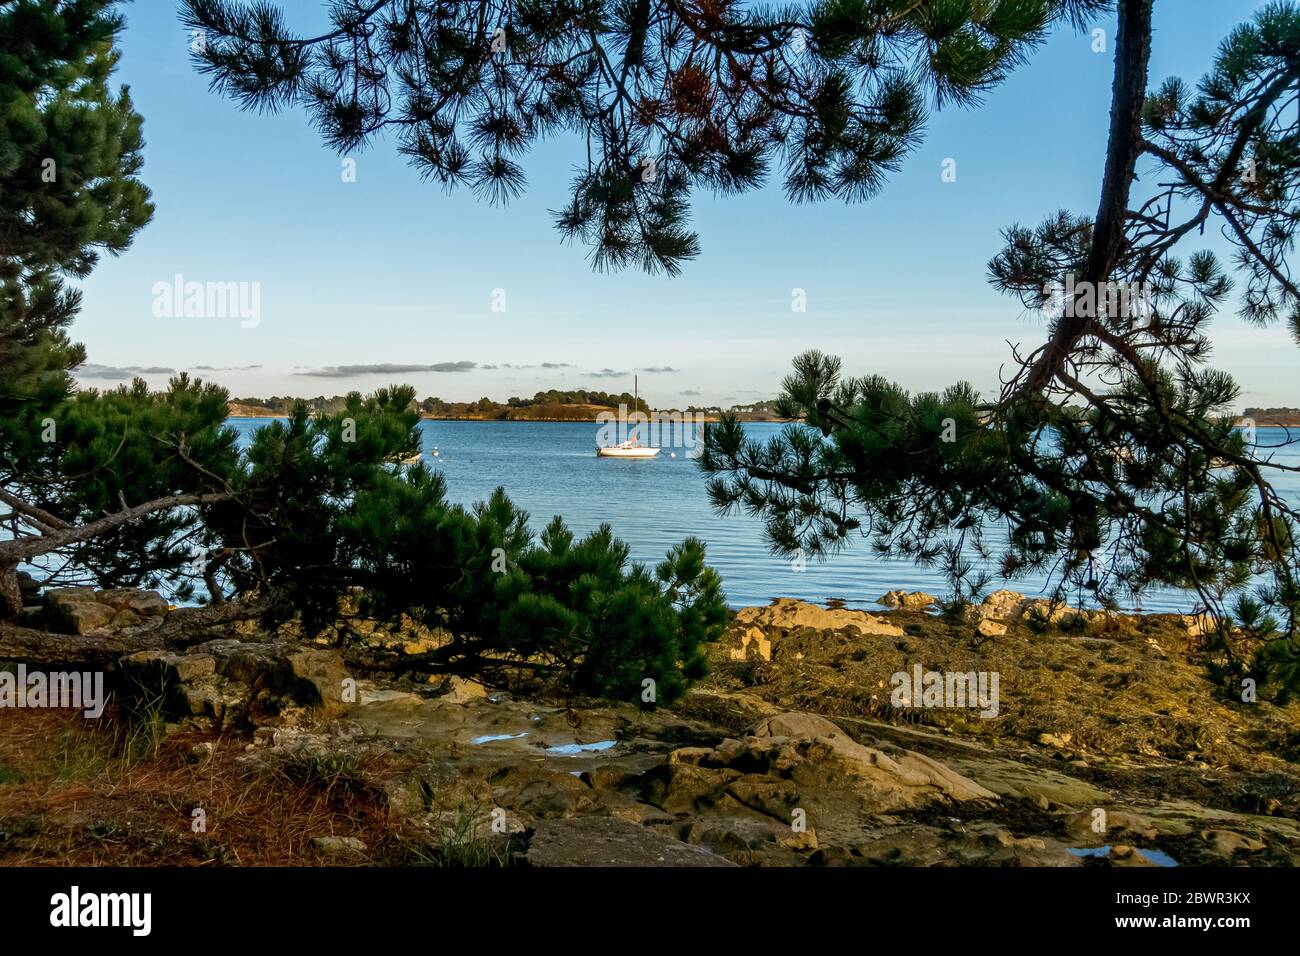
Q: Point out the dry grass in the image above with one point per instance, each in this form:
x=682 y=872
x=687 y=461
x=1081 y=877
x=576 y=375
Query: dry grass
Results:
x=77 y=792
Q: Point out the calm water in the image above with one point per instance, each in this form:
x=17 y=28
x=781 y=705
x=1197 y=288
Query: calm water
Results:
x=550 y=468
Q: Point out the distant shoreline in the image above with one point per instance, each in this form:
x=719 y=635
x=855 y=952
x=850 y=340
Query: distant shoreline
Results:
x=523 y=421
x=267 y=413
x=1293 y=422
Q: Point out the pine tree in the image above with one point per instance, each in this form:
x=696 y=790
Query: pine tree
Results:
x=1111 y=456
x=323 y=523
x=69 y=154
x=133 y=487
x=670 y=96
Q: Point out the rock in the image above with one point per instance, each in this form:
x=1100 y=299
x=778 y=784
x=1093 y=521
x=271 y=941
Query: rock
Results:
x=161 y=668
x=311 y=677
x=605 y=841
x=1124 y=855
x=909 y=770
x=798 y=840
x=639 y=813
x=1082 y=827
x=1009 y=778
x=226 y=703
x=1003 y=605
x=457 y=690
x=338 y=846
x=795 y=724
x=32 y=616
x=735 y=840
x=1006 y=839
x=789 y=756
x=678 y=787
x=907 y=599
x=75 y=611
x=831 y=856
x=776 y=798
x=143 y=603
x=29 y=588
x=405 y=797
x=437 y=786
x=991 y=628
x=1198 y=625
x=753 y=643
x=186 y=685
x=1054 y=612
x=787 y=613
x=1059 y=741
x=1226 y=843
x=608 y=777
x=492 y=826
x=231 y=680
x=541 y=793
x=85 y=610
x=1011 y=607
x=318 y=677
x=202 y=751
x=903 y=847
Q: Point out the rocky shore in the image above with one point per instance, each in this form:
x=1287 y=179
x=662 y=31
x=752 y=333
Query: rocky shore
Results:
x=823 y=736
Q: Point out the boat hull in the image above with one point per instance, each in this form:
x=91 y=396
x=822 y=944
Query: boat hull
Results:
x=616 y=452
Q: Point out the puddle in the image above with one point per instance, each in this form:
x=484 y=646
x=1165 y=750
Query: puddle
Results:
x=570 y=750
x=1098 y=851
x=489 y=738
x=1158 y=857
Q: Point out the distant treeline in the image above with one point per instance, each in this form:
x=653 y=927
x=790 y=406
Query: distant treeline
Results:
x=283 y=404
x=1272 y=412
x=578 y=396
x=764 y=409
x=552 y=403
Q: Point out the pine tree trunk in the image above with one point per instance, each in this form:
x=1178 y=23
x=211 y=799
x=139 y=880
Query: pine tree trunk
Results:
x=42 y=649
x=1128 y=94
x=11 y=596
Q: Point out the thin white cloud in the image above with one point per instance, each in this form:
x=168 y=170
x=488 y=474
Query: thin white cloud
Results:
x=120 y=372
x=351 y=371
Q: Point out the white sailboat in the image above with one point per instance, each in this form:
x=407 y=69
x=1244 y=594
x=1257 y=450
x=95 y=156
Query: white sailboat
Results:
x=629 y=448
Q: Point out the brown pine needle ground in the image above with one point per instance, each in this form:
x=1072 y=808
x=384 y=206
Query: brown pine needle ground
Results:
x=87 y=793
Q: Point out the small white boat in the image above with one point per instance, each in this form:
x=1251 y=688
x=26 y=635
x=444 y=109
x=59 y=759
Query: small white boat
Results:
x=626 y=449
x=629 y=448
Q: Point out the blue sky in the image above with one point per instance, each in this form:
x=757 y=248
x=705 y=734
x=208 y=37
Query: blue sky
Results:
x=390 y=270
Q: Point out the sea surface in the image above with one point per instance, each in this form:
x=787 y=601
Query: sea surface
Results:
x=551 y=468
